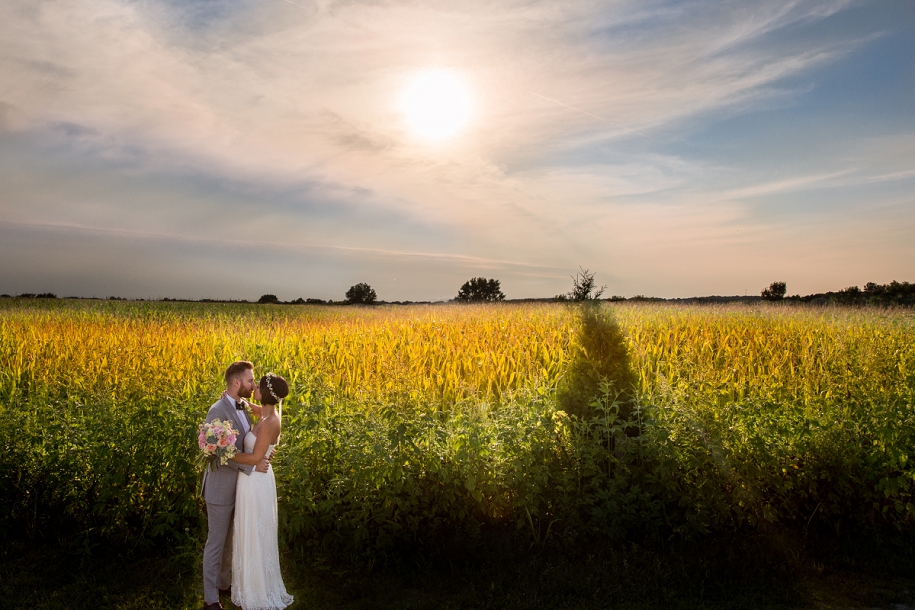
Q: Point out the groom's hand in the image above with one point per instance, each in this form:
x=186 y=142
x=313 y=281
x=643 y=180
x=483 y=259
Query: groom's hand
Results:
x=264 y=464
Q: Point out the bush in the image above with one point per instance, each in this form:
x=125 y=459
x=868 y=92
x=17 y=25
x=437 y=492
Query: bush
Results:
x=365 y=481
x=106 y=472
x=397 y=480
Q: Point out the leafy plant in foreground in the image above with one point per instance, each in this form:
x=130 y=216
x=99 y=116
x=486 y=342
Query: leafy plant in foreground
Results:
x=438 y=429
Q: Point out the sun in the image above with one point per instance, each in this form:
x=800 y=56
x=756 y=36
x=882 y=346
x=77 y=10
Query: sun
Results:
x=436 y=105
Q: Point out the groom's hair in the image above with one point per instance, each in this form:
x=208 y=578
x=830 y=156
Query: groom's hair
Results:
x=237 y=368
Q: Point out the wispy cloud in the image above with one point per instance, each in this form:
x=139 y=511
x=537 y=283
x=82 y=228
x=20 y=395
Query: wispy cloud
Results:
x=790 y=185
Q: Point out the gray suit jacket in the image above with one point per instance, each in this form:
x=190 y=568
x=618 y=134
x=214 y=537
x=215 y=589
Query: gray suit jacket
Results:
x=219 y=485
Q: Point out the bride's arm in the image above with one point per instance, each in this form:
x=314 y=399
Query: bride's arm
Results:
x=260 y=447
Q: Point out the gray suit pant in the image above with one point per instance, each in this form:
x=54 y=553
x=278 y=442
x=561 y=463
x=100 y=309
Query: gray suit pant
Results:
x=217 y=554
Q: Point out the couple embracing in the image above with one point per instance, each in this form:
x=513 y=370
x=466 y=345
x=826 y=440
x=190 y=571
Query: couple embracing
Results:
x=241 y=557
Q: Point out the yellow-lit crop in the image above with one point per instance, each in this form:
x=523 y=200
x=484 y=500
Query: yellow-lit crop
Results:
x=809 y=356
x=447 y=353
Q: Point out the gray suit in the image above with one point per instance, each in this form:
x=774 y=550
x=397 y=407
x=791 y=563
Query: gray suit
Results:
x=219 y=492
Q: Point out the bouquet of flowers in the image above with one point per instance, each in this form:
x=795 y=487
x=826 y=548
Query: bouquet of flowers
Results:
x=216 y=440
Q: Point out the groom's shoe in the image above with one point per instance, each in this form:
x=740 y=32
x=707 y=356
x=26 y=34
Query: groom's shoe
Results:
x=227 y=592
x=216 y=606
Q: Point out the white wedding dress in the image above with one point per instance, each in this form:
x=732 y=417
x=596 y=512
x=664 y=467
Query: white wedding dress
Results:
x=256 y=580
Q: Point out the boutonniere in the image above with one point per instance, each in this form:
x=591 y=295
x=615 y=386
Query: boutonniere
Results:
x=252 y=409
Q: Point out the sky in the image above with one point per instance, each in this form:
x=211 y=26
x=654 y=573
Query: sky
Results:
x=229 y=149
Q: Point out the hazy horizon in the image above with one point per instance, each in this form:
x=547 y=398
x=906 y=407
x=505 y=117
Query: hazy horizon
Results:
x=225 y=150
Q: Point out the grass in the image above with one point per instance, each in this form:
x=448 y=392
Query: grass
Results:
x=771 y=570
x=48 y=575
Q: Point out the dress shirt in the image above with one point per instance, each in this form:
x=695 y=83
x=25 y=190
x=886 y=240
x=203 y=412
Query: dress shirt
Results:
x=244 y=420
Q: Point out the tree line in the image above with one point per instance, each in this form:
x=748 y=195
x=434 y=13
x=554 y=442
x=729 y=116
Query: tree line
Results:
x=474 y=290
x=894 y=293
x=585 y=288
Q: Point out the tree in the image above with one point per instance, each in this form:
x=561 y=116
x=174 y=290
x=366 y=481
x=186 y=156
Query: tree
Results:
x=775 y=292
x=268 y=298
x=480 y=290
x=361 y=293
x=584 y=287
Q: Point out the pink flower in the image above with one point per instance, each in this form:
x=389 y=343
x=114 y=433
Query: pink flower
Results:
x=217 y=438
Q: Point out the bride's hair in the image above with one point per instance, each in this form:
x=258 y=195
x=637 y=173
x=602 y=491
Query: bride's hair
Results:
x=273 y=388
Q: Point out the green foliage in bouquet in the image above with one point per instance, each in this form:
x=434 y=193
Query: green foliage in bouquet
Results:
x=216 y=440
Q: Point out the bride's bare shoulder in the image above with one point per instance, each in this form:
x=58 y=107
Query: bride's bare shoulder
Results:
x=270 y=428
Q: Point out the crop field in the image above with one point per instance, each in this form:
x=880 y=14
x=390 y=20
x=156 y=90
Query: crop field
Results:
x=437 y=427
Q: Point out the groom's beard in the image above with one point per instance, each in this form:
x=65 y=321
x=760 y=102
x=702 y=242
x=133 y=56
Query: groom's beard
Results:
x=244 y=392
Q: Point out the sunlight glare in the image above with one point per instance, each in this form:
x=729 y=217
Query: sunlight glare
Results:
x=436 y=105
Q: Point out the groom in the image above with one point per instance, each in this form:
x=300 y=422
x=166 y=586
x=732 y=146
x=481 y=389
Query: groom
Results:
x=219 y=485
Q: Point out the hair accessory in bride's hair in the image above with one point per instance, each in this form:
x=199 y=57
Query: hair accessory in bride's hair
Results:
x=270 y=387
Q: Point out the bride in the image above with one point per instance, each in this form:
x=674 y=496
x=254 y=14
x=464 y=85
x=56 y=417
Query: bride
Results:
x=256 y=580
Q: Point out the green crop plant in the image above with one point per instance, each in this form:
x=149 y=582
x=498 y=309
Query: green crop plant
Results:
x=444 y=427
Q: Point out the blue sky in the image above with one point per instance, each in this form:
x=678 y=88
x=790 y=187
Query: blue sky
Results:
x=231 y=149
